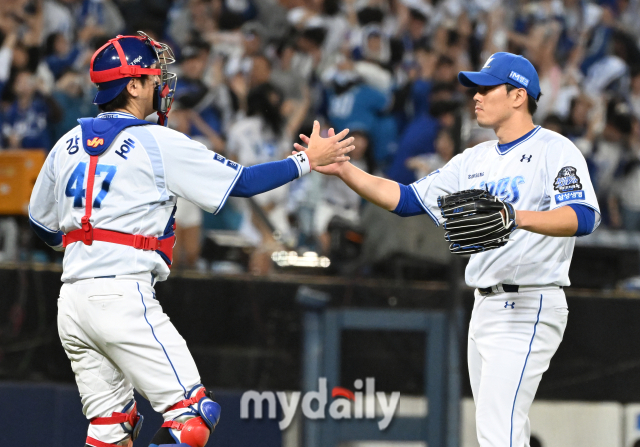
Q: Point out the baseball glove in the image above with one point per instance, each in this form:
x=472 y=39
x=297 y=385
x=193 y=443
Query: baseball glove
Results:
x=474 y=221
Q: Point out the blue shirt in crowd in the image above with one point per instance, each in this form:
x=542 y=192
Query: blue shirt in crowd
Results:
x=418 y=138
x=30 y=123
x=360 y=108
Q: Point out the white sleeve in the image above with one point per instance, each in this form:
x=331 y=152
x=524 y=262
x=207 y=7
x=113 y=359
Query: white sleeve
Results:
x=195 y=173
x=43 y=207
x=568 y=181
x=439 y=183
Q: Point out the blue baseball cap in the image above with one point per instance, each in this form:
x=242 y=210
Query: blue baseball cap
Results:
x=504 y=68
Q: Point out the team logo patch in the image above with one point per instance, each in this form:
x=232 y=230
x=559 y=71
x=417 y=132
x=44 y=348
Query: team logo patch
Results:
x=95 y=142
x=220 y=158
x=233 y=164
x=519 y=78
x=567 y=180
x=567 y=196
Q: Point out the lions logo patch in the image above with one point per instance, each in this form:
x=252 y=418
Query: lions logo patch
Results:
x=567 y=180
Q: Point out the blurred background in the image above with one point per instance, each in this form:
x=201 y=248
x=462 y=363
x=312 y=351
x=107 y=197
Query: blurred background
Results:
x=308 y=281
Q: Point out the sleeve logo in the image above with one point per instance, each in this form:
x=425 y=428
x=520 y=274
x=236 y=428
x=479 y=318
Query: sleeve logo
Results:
x=220 y=158
x=568 y=196
x=567 y=180
x=233 y=164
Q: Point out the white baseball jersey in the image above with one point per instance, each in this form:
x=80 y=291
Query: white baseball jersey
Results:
x=540 y=171
x=137 y=181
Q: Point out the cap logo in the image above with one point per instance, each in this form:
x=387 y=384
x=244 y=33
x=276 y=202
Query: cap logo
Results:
x=486 y=64
x=519 y=78
x=136 y=60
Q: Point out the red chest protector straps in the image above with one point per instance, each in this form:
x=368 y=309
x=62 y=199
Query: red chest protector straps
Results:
x=87 y=234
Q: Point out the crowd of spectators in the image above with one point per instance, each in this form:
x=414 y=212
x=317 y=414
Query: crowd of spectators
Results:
x=253 y=74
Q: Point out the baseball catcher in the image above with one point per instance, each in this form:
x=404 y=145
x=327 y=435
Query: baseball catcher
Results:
x=107 y=196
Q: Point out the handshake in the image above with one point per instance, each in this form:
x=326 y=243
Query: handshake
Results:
x=475 y=220
x=321 y=151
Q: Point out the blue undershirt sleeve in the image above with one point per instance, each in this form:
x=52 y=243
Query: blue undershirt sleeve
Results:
x=586 y=219
x=50 y=237
x=264 y=177
x=409 y=205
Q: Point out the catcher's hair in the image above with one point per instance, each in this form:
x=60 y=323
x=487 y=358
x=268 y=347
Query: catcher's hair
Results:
x=120 y=101
x=532 y=104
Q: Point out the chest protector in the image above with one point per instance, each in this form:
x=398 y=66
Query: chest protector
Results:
x=97 y=136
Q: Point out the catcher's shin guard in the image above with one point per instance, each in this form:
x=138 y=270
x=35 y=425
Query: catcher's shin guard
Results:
x=130 y=422
x=194 y=432
x=193 y=425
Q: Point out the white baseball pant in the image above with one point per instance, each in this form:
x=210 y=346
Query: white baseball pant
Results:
x=512 y=337
x=118 y=338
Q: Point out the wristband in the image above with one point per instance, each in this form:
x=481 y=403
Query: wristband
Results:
x=302 y=163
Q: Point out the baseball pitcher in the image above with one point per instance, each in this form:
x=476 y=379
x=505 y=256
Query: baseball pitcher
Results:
x=516 y=205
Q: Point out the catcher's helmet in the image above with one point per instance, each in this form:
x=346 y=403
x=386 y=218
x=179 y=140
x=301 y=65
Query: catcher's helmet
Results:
x=125 y=57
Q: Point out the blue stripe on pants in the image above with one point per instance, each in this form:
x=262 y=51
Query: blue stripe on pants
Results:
x=522 y=374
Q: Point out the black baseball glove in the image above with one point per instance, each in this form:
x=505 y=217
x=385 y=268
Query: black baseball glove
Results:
x=474 y=221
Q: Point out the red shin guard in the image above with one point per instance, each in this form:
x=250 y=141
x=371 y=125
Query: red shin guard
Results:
x=194 y=432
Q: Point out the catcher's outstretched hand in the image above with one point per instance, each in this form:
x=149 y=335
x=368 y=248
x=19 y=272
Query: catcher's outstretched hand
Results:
x=476 y=221
x=325 y=151
x=330 y=169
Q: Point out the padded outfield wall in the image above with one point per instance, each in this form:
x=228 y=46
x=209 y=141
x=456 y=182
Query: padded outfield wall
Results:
x=246 y=333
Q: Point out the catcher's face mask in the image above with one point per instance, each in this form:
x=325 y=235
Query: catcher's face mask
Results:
x=165 y=89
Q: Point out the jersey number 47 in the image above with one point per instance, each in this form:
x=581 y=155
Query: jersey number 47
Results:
x=75 y=185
